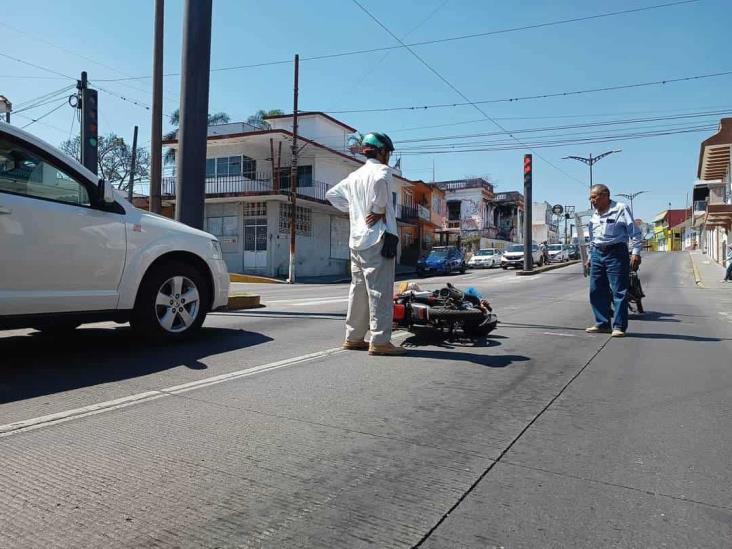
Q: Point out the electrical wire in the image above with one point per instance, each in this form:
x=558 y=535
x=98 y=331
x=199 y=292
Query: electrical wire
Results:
x=428 y=42
x=40 y=67
x=34 y=120
x=460 y=93
x=532 y=97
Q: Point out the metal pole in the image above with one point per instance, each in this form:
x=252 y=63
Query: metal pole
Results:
x=293 y=176
x=528 y=241
x=191 y=159
x=156 y=142
x=133 y=161
x=591 y=162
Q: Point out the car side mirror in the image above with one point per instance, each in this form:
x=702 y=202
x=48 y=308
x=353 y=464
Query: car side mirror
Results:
x=106 y=192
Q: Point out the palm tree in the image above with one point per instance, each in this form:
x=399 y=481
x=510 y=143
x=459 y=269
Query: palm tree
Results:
x=213 y=119
x=258 y=118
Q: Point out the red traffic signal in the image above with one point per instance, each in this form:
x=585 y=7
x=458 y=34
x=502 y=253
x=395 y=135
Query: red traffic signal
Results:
x=527 y=164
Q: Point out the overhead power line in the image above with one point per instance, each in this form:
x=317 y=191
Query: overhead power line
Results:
x=460 y=93
x=435 y=41
x=35 y=66
x=34 y=120
x=532 y=97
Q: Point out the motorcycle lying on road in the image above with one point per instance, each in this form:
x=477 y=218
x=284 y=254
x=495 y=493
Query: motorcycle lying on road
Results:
x=448 y=311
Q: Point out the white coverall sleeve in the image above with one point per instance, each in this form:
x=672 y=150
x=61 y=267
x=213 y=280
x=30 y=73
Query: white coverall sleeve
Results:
x=338 y=197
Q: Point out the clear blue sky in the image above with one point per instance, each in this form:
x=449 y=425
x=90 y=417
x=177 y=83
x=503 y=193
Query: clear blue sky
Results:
x=114 y=39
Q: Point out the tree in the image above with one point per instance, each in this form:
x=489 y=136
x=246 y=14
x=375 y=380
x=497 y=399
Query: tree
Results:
x=114 y=159
x=258 y=118
x=213 y=119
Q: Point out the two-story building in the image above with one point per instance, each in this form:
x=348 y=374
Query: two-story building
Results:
x=712 y=194
x=668 y=229
x=248 y=188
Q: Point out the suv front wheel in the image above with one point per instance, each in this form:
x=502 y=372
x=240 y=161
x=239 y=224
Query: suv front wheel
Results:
x=172 y=302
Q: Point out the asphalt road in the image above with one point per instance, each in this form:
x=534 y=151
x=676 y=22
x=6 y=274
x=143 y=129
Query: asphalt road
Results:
x=261 y=433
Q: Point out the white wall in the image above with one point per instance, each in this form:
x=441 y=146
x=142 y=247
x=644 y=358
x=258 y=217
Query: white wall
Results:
x=316 y=128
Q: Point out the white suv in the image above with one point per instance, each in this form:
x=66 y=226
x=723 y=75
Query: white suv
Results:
x=72 y=250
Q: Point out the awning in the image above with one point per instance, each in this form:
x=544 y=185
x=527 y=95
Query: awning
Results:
x=714 y=156
x=719 y=215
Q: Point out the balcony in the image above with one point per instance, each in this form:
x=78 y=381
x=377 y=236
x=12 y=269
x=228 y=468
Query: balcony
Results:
x=237 y=186
x=406 y=213
x=424 y=213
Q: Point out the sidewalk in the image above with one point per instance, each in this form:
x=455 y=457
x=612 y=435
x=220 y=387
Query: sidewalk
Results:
x=402 y=271
x=708 y=272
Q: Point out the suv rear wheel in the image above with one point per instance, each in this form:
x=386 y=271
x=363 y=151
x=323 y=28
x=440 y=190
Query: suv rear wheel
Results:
x=172 y=302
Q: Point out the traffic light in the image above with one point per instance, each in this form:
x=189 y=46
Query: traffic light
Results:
x=89 y=129
x=527 y=169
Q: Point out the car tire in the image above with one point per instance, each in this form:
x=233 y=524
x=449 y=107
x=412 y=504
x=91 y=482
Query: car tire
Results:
x=504 y=267
x=161 y=312
x=462 y=270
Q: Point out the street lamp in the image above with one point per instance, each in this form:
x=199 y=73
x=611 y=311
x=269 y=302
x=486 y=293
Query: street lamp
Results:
x=631 y=197
x=591 y=160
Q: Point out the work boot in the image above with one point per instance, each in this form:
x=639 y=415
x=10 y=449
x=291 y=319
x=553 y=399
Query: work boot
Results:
x=386 y=349
x=355 y=345
x=598 y=330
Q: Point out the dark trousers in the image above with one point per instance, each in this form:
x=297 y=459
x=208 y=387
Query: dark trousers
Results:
x=728 y=274
x=609 y=279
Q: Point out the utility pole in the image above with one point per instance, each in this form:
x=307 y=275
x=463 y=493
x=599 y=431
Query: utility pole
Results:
x=528 y=207
x=133 y=160
x=156 y=142
x=89 y=124
x=293 y=177
x=591 y=160
x=192 y=136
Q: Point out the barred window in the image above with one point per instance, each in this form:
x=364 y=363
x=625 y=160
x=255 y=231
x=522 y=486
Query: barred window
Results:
x=303 y=220
x=255 y=209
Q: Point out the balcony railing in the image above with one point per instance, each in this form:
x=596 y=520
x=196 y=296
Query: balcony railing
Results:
x=231 y=186
x=406 y=213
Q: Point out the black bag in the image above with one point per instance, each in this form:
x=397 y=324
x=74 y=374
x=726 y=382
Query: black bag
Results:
x=389 y=247
x=635 y=289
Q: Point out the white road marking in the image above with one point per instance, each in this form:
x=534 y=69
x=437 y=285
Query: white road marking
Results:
x=560 y=335
x=147 y=396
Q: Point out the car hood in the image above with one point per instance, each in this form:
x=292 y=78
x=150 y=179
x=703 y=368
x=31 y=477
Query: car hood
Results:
x=513 y=255
x=165 y=223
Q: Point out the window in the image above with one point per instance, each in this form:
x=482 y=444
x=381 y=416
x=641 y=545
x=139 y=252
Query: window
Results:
x=223 y=226
x=210 y=167
x=453 y=210
x=255 y=209
x=248 y=167
x=227 y=166
x=303 y=220
x=22 y=172
x=304 y=177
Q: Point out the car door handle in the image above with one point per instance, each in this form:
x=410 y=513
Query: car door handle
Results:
x=4 y=210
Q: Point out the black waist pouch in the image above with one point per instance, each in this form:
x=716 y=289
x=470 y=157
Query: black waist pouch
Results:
x=389 y=247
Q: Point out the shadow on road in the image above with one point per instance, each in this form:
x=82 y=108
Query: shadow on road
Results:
x=36 y=365
x=678 y=337
x=654 y=316
x=285 y=314
x=432 y=347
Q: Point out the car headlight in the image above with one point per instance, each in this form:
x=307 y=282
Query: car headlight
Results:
x=216 y=250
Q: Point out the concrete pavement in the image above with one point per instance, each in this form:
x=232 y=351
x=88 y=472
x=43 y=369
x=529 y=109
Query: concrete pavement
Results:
x=543 y=436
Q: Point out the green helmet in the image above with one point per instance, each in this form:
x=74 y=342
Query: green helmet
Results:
x=377 y=141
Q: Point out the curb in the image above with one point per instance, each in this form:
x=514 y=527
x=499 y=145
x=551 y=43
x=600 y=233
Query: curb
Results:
x=243 y=301
x=546 y=268
x=253 y=279
x=697 y=274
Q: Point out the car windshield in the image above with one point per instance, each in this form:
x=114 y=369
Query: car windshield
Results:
x=439 y=253
x=555 y=248
x=516 y=248
x=485 y=252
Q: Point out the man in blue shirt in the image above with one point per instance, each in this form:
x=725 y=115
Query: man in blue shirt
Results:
x=611 y=228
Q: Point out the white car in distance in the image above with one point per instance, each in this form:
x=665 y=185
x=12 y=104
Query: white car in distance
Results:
x=75 y=251
x=558 y=253
x=485 y=258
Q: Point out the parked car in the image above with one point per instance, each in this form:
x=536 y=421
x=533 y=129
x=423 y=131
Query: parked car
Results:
x=573 y=251
x=513 y=256
x=485 y=258
x=75 y=251
x=558 y=253
x=442 y=260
